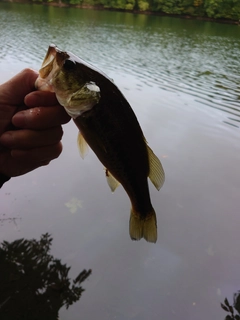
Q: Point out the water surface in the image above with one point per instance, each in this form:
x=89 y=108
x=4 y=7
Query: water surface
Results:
x=182 y=79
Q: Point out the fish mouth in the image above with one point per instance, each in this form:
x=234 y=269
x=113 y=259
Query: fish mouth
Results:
x=52 y=62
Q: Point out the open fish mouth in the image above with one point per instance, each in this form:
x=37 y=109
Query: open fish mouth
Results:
x=52 y=62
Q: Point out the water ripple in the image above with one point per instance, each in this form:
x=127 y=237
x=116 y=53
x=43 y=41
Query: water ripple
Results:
x=199 y=62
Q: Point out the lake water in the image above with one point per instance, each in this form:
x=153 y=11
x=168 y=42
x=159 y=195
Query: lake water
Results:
x=182 y=79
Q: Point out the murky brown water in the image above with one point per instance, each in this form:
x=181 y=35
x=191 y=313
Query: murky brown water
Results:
x=182 y=79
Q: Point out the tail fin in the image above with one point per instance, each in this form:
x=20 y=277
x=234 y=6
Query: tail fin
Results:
x=143 y=228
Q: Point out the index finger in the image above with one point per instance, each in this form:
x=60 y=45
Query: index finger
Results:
x=40 y=98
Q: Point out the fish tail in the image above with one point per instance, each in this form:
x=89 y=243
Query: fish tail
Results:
x=143 y=227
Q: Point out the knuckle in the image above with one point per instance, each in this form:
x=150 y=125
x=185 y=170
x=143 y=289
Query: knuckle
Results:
x=56 y=150
x=66 y=118
x=59 y=133
x=45 y=163
x=28 y=71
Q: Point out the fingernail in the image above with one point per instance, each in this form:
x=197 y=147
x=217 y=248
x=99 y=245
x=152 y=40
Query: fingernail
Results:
x=7 y=139
x=19 y=119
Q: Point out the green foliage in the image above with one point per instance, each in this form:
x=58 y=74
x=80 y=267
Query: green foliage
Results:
x=89 y=2
x=130 y=5
x=228 y=9
x=73 y=2
x=114 y=4
x=216 y=9
x=143 y=5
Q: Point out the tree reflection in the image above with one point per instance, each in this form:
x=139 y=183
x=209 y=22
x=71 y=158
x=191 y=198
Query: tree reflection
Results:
x=232 y=309
x=34 y=285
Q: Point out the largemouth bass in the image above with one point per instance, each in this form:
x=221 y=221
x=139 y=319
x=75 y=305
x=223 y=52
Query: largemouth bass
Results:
x=107 y=123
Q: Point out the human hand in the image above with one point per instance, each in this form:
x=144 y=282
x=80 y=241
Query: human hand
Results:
x=30 y=125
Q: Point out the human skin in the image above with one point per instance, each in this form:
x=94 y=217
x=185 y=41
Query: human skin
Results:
x=30 y=125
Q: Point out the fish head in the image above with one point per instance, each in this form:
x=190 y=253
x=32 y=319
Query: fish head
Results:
x=66 y=75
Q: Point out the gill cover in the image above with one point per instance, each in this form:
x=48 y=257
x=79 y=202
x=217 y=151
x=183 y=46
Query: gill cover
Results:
x=60 y=73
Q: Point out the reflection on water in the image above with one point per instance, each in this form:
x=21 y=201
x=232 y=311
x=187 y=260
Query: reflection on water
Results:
x=33 y=284
x=232 y=309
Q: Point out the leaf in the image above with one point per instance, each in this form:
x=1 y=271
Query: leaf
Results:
x=226 y=302
x=237 y=301
x=231 y=309
x=224 y=307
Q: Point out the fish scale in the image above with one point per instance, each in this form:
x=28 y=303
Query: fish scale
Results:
x=123 y=161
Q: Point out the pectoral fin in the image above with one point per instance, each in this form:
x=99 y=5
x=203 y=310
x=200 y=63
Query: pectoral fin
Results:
x=82 y=145
x=156 y=173
x=112 y=182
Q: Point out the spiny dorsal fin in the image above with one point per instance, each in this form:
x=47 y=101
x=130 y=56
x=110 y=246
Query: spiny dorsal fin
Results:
x=82 y=145
x=112 y=182
x=156 y=173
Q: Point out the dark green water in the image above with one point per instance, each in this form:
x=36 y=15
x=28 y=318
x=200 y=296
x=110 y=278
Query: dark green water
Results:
x=182 y=79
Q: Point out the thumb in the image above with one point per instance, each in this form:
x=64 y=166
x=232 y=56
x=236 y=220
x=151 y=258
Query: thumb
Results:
x=14 y=90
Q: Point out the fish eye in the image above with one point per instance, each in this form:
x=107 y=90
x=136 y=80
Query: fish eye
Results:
x=69 y=64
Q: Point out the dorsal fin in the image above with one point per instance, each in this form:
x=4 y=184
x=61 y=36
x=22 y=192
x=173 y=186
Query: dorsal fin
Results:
x=82 y=145
x=112 y=182
x=156 y=172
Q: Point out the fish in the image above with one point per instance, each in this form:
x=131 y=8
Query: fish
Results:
x=107 y=124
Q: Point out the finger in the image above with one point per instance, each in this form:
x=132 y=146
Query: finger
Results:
x=40 y=118
x=20 y=169
x=15 y=167
x=40 y=98
x=14 y=90
x=28 y=139
x=40 y=155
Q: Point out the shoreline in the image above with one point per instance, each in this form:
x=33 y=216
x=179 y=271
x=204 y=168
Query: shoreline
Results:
x=153 y=13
